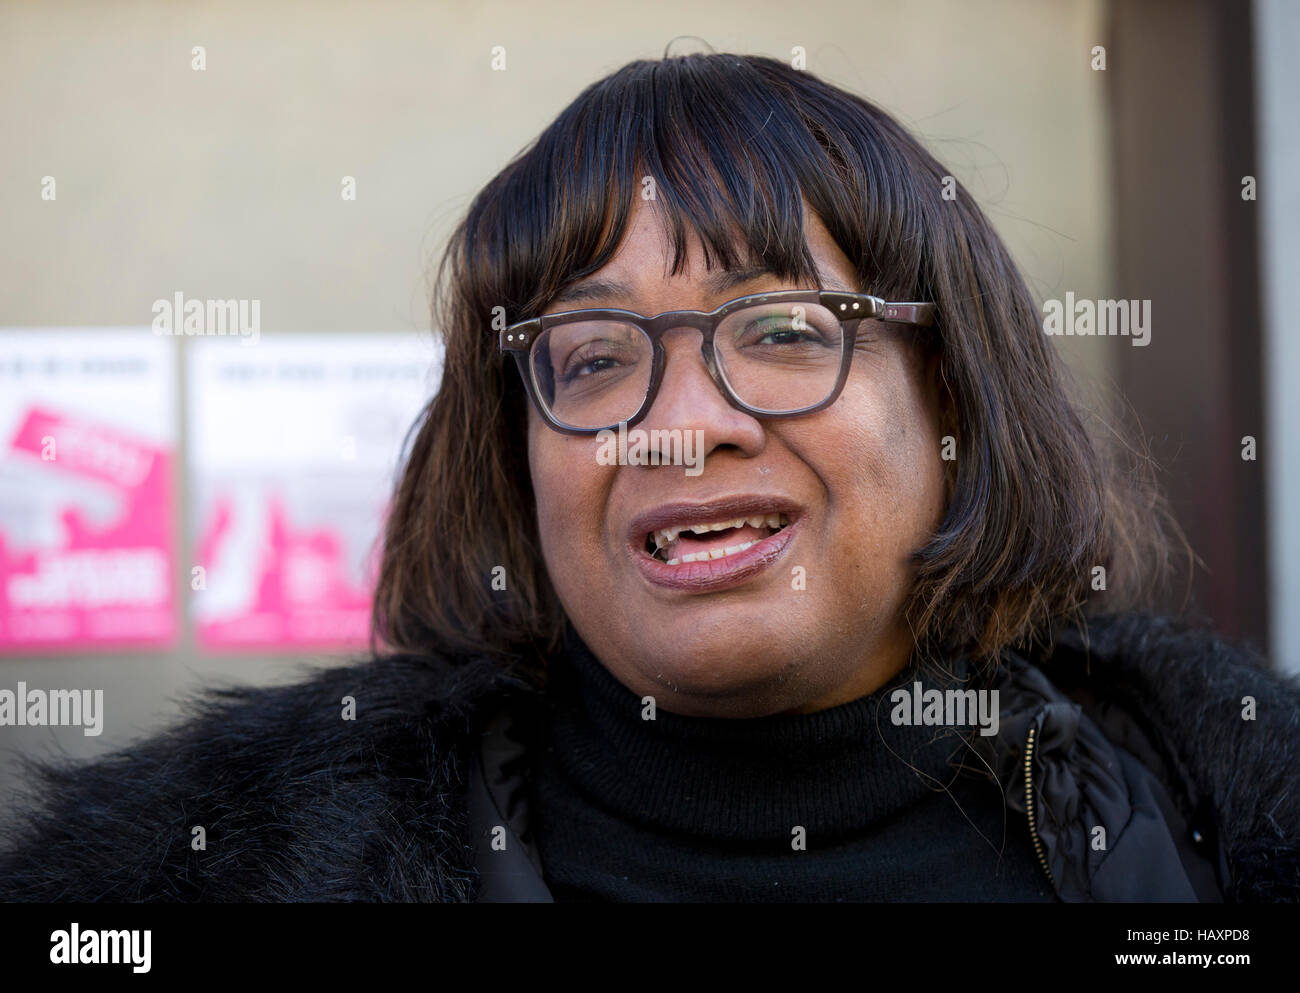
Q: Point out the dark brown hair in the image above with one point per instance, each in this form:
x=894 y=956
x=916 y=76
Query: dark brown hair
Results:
x=734 y=144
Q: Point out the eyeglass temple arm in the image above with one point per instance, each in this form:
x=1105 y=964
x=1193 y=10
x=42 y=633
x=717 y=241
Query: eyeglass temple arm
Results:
x=850 y=305
x=518 y=338
x=909 y=313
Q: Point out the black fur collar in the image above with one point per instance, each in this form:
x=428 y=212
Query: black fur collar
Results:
x=299 y=804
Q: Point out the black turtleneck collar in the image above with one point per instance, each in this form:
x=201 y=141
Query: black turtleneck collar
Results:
x=835 y=772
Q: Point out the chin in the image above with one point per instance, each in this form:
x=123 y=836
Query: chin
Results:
x=751 y=665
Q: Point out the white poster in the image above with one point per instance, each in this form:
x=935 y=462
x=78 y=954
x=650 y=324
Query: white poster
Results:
x=87 y=447
x=294 y=445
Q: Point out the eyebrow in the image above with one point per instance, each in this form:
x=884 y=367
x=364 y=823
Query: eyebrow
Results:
x=717 y=284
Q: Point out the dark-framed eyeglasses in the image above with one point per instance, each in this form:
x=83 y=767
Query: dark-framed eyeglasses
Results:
x=780 y=354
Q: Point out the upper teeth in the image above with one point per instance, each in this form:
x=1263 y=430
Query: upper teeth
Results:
x=665 y=536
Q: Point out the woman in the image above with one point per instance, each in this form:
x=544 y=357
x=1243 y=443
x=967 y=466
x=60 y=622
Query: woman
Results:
x=791 y=594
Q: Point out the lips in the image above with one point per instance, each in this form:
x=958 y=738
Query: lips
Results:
x=701 y=540
x=709 y=545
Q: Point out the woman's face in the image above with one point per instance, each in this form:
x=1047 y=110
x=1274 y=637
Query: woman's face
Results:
x=807 y=618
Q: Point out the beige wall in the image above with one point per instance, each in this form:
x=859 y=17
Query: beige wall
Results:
x=225 y=183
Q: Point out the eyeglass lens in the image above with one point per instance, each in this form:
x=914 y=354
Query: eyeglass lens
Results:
x=776 y=357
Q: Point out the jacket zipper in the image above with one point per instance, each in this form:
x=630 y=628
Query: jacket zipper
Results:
x=1029 y=806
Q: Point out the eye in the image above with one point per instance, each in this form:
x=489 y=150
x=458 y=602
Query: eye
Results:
x=590 y=359
x=781 y=335
x=780 y=329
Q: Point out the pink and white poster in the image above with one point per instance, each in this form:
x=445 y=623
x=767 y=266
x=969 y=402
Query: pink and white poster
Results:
x=87 y=447
x=294 y=445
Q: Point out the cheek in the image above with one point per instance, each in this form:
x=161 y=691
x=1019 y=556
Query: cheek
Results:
x=882 y=461
x=570 y=488
x=546 y=465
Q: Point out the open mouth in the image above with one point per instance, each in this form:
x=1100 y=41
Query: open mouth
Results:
x=704 y=540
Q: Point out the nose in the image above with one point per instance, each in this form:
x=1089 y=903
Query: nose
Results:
x=690 y=400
